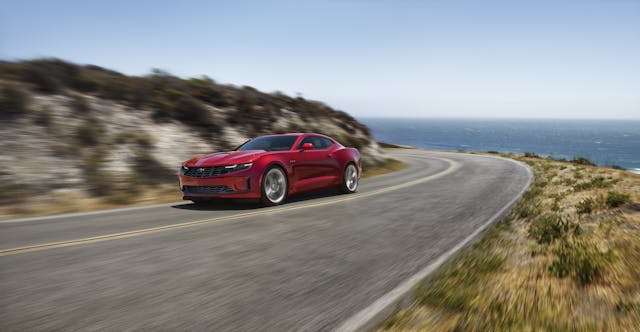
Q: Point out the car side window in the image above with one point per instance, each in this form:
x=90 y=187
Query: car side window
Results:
x=319 y=143
x=326 y=143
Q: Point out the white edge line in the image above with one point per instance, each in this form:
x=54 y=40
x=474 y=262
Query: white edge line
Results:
x=88 y=213
x=371 y=316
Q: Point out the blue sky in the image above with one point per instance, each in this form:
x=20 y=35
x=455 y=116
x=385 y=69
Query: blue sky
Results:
x=550 y=59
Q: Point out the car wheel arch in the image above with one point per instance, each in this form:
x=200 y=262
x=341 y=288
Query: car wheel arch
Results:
x=275 y=164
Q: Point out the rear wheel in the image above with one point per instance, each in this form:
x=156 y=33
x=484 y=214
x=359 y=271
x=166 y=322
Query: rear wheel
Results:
x=274 y=186
x=350 y=179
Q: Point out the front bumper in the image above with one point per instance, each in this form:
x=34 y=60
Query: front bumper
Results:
x=236 y=185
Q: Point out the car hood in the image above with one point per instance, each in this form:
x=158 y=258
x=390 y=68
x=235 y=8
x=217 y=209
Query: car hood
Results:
x=225 y=158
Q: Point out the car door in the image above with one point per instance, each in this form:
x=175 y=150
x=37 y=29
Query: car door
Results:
x=316 y=168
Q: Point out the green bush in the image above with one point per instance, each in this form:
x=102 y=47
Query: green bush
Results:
x=549 y=227
x=596 y=182
x=531 y=155
x=615 y=199
x=584 y=261
x=585 y=206
x=582 y=161
x=527 y=209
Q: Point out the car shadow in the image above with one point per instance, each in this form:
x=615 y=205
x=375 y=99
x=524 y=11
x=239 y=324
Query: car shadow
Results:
x=225 y=204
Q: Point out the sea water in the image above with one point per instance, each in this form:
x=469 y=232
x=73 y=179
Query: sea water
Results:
x=604 y=142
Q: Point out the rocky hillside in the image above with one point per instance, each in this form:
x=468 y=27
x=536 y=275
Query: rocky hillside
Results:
x=83 y=127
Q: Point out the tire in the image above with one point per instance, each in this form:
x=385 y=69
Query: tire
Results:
x=274 y=187
x=350 y=179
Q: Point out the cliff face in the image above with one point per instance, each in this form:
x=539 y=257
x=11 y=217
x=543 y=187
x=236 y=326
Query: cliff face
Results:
x=66 y=126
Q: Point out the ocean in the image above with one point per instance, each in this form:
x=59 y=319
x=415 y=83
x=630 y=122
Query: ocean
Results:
x=604 y=142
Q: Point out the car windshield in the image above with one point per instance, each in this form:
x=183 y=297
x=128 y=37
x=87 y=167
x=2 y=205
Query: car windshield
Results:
x=270 y=143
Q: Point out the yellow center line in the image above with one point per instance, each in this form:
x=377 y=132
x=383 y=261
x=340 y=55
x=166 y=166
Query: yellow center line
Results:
x=453 y=166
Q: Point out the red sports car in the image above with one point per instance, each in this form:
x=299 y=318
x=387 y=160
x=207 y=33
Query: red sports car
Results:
x=272 y=167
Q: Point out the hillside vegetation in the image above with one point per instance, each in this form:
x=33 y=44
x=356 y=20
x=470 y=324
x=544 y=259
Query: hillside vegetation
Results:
x=84 y=131
x=566 y=259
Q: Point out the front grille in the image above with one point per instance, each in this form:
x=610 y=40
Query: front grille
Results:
x=201 y=172
x=207 y=190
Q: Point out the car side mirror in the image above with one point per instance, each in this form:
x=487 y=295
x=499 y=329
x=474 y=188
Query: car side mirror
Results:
x=307 y=146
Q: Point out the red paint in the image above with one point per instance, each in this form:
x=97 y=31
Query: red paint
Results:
x=307 y=168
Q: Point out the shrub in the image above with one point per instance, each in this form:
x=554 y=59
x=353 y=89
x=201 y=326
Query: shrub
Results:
x=527 y=209
x=43 y=117
x=80 y=105
x=547 y=228
x=40 y=77
x=582 y=161
x=582 y=260
x=13 y=101
x=533 y=192
x=191 y=111
x=596 y=182
x=141 y=138
x=90 y=132
x=115 y=88
x=11 y=193
x=353 y=141
x=99 y=182
x=615 y=199
x=531 y=155
x=206 y=90
x=150 y=171
x=585 y=206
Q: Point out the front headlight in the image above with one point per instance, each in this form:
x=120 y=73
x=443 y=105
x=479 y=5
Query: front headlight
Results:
x=238 y=167
x=183 y=169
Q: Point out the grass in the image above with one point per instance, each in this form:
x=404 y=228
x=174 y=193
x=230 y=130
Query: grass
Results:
x=387 y=166
x=582 y=260
x=109 y=191
x=615 y=199
x=77 y=201
x=563 y=260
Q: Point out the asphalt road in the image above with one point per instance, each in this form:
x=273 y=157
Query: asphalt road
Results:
x=309 y=265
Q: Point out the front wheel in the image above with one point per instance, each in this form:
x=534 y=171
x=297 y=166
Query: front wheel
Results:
x=350 y=179
x=274 y=186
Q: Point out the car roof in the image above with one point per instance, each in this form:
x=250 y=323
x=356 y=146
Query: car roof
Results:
x=294 y=134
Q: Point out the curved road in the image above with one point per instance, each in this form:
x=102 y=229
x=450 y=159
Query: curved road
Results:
x=314 y=264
